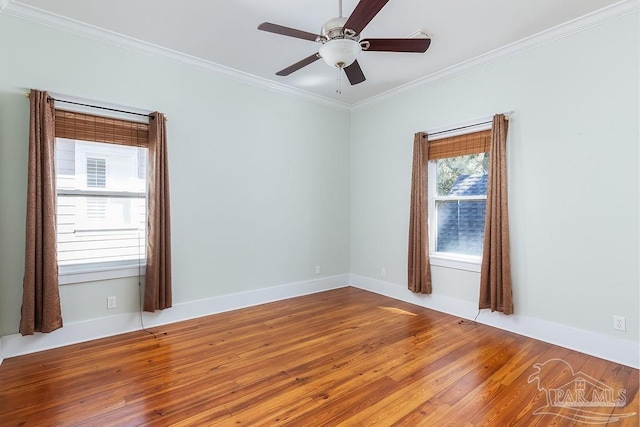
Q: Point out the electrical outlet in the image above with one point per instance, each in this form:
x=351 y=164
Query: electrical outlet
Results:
x=111 y=302
x=619 y=323
x=317 y=269
x=383 y=272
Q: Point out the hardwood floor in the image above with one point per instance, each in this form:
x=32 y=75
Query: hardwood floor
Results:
x=343 y=357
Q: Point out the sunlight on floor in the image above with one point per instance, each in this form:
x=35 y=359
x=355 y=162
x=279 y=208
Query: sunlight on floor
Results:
x=398 y=311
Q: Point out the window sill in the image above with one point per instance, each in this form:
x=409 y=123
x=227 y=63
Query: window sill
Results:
x=69 y=274
x=456 y=262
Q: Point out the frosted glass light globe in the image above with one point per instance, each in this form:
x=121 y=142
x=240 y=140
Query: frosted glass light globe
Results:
x=340 y=53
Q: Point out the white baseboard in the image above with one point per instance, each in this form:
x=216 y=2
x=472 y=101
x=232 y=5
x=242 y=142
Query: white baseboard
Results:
x=72 y=333
x=592 y=343
x=599 y=345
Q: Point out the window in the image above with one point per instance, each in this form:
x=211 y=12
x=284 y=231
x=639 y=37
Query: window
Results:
x=101 y=198
x=458 y=172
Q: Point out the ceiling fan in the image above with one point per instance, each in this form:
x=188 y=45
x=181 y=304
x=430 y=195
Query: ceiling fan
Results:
x=341 y=44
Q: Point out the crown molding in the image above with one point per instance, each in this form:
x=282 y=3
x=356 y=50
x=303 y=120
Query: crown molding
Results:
x=30 y=13
x=20 y=10
x=582 y=23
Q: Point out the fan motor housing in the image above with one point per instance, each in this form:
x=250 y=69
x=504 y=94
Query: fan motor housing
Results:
x=333 y=29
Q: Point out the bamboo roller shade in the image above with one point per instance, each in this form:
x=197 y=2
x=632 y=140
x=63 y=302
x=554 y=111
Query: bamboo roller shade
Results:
x=86 y=127
x=460 y=145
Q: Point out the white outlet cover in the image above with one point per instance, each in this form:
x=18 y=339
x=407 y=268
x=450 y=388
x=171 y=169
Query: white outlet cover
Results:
x=111 y=302
x=619 y=323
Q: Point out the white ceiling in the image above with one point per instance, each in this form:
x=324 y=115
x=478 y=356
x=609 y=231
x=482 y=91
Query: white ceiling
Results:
x=225 y=32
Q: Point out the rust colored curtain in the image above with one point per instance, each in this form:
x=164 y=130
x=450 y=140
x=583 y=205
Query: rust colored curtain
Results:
x=495 y=276
x=40 y=297
x=157 y=288
x=419 y=269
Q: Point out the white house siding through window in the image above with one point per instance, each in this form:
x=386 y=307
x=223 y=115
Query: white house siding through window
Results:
x=101 y=202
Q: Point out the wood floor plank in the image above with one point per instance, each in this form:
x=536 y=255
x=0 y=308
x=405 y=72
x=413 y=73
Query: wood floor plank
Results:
x=426 y=381
x=478 y=399
x=342 y=357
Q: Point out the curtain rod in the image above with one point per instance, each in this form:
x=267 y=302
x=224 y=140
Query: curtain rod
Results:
x=98 y=107
x=472 y=125
x=101 y=108
x=458 y=128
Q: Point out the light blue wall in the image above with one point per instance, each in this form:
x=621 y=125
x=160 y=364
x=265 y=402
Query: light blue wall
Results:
x=259 y=182
x=263 y=189
x=573 y=164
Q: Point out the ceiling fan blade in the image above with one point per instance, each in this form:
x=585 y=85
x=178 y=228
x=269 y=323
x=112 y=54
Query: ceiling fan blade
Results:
x=396 y=45
x=363 y=14
x=354 y=73
x=286 y=31
x=295 y=67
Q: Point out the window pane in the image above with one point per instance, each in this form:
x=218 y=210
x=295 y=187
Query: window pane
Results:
x=108 y=213
x=83 y=237
x=101 y=204
x=460 y=226
x=452 y=172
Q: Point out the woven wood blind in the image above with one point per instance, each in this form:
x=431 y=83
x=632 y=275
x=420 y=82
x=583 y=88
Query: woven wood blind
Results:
x=86 y=127
x=460 y=145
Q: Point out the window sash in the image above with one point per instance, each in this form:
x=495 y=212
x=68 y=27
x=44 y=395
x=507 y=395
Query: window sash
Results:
x=97 y=250
x=463 y=227
x=464 y=198
x=447 y=259
x=81 y=243
x=101 y=193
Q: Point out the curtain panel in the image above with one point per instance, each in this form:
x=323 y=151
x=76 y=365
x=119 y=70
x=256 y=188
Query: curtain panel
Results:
x=495 y=275
x=157 y=287
x=419 y=268
x=40 y=310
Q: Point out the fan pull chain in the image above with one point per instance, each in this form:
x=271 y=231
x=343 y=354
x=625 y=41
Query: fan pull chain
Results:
x=339 y=82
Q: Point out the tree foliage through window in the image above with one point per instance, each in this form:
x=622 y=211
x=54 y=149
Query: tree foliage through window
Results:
x=450 y=168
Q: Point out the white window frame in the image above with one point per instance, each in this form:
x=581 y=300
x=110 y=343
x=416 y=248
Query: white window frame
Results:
x=447 y=259
x=89 y=272
x=70 y=274
x=101 y=271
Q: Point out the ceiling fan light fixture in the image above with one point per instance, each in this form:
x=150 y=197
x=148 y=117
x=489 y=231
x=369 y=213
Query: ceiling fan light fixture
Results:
x=340 y=53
